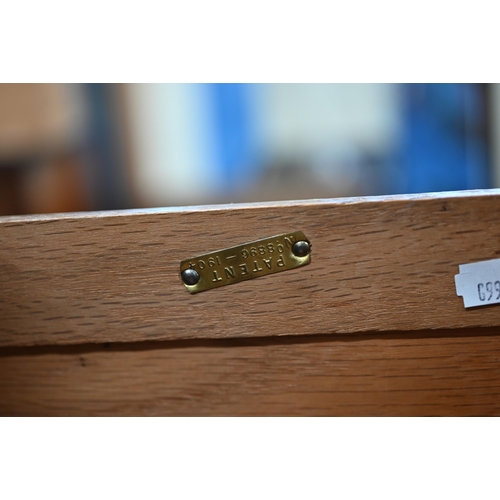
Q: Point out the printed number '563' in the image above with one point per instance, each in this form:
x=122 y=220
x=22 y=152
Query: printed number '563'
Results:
x=485 y=291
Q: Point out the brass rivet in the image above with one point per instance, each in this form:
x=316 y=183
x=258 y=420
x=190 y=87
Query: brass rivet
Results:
x=190 y=277
x=301 y=248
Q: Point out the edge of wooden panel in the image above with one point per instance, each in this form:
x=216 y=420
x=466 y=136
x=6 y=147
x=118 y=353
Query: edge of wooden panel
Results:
x=348 y=200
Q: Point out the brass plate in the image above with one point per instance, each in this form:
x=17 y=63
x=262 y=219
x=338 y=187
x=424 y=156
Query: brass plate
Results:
x=244 y=262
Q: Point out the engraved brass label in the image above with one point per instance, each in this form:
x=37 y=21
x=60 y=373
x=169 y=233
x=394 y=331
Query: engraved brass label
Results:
x=244 y=262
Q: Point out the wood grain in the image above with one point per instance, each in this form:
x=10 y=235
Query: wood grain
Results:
x=378 y=264
x=410 y=373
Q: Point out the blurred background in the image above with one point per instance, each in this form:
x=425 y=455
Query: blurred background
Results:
x=73 y=147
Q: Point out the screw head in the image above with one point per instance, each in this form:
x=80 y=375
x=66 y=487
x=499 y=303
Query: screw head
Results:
x=301 y=248
x=190 y=276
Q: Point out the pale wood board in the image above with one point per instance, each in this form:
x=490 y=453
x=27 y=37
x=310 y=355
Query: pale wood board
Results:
x=378 y=264
x=406 y=373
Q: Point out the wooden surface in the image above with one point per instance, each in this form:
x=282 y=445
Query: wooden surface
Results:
x=381 y=279
x=378 y=264
x=410 y=373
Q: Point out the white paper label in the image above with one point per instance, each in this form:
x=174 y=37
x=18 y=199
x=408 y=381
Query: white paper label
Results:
x=479 y=283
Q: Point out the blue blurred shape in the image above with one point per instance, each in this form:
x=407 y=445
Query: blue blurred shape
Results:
x=234 y=133
x=444 y=144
